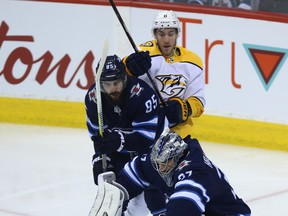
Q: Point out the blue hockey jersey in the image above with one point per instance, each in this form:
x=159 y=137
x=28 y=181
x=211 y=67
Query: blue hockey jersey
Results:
x=199 y=187
x=138 y=116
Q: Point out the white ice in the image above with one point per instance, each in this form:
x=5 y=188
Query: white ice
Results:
x=47 y=171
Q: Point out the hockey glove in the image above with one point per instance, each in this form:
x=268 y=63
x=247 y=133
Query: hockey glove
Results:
x=177 y=110
x=138 y=63
x=98 y=167
x=110 y=142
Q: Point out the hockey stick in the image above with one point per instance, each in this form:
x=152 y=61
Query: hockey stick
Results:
x=98 y=97
x=135 y=48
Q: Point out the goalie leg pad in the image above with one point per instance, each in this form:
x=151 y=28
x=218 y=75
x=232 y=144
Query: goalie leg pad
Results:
x=110 y=196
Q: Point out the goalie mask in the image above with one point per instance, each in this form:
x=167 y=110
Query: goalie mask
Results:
x=166 y=19
x=113 y=75
x=165 y=155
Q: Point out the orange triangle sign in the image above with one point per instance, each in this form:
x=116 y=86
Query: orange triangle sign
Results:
x=267 y=61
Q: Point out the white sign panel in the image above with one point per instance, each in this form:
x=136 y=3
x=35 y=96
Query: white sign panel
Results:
x=50 y=51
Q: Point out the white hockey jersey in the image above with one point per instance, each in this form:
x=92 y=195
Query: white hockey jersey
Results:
x=180 y=75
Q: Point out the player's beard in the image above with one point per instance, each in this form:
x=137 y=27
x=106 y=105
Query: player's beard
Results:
x=115 y=97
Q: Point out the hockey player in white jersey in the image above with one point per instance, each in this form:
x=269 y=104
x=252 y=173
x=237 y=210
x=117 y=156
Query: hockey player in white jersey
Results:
x=176 y=71
x=180 y=169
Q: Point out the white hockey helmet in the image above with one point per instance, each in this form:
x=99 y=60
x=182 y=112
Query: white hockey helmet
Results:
x=166 y=19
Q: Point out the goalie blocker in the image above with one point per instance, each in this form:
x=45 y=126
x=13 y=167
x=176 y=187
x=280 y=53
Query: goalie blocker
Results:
x=110 y=196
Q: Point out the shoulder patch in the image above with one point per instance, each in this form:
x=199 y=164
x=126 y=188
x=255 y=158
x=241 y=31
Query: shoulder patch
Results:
x=136 y=90
x=183 y=164
x=92 y=95
x=147 y=44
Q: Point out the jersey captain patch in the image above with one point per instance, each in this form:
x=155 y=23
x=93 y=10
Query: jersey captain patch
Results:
x=173 y=85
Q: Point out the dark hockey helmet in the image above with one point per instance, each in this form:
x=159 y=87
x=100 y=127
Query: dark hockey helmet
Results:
x=113 y=69
x=165 y=155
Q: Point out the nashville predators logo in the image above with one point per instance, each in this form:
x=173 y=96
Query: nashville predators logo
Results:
x=147 y=44
x=173 y=85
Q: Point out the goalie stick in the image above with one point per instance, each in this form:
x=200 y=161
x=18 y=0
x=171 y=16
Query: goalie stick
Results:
x=98 y=96
x=110 y=196
x=135 y=48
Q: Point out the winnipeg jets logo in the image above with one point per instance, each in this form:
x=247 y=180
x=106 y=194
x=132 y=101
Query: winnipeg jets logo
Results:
x=173 y=85
x=92 y=95
x=136 y=90
x=183 y=164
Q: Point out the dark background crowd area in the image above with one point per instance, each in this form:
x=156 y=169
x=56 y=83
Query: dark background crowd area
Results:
x=277 y=6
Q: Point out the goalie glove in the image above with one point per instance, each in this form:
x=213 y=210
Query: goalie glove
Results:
x=177 y=110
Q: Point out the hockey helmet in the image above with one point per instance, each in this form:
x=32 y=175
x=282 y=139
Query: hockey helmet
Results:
x=166 y=153
x=114 y=69
x=166 y=19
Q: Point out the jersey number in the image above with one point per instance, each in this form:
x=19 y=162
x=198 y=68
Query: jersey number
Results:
x=151 y=104
x=182 y=176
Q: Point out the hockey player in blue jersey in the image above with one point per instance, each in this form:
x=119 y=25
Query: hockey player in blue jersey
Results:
x=181 y=170
x=131 y=114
